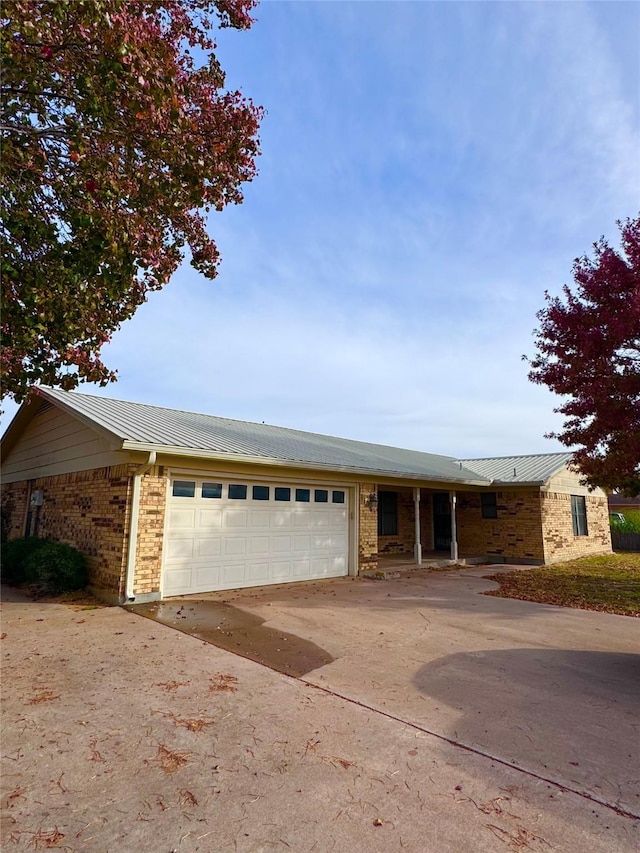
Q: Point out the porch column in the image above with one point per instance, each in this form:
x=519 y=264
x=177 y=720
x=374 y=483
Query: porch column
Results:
x=454 y=531
x=418 y=546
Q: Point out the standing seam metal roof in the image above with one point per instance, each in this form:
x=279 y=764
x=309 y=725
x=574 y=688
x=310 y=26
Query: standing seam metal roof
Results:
x=152 y=425
x=536 y=468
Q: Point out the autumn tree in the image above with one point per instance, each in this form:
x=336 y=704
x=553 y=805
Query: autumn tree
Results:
x=118 y=137
x=588 y=350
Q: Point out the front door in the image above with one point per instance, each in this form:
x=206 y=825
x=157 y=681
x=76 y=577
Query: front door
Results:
x=441 y=521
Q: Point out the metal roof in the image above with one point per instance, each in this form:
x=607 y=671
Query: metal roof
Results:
x=144 y=427
x=535 y=469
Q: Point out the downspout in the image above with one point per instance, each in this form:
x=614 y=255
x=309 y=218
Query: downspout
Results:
x=454 y=527
x=418 y=548
x=133 y=526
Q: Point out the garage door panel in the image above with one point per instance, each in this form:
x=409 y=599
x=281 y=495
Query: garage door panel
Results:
x=258 y=572
x=301 y=543
x=206 y=577
x=281 y=570
x=209 y=547
x=233 y=572
x=259 y=545
x=233 y=546
x=179 y=548
x=247 y=542
x=235 y=518
x=209 y=519
x=182 y=519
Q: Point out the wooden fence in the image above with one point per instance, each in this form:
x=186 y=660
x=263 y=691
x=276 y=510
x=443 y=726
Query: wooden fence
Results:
x=624 y=541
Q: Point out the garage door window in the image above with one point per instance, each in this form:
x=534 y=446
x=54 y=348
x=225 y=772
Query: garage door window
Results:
x=282 y=493
x=321 y=496
x=237 y=492
x=260 y=493
x=183 y=489
x=303 y=495
x=212 y=490
x=338 y=497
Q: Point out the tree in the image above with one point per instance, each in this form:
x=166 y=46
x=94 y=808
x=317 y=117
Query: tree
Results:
x=118 y=138
x=588 y=349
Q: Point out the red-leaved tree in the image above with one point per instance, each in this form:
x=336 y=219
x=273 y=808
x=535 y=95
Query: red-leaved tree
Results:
x=118 y=136
x=588 y=349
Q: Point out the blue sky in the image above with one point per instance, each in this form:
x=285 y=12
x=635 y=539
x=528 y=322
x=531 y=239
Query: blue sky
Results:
x=429 y=169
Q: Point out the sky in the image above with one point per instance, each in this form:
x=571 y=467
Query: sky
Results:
x=428 y=171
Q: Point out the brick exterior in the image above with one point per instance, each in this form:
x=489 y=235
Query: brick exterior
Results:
x=14 y=508
x=559 y=541
x=516 y=534
x=368 y=530
x=404 y=541
x=153 y=494
x=86 y=509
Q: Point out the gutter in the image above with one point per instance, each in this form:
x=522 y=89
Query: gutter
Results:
x=129 y=596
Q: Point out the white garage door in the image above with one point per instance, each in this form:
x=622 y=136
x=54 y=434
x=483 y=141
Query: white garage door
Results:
x=226 y=535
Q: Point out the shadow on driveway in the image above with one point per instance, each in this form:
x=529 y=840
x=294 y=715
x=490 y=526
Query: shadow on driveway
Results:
x=238 y=631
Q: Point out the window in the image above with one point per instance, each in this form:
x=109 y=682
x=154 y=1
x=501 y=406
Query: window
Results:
x=303 y=495
x=183 y=489
x=283 y=493
x=387 y=513
x=261 y=493
x=337 y=497
x=579 y=515
x=238 y=493
x=212 y=490
x=321 y=496
x=489 y=505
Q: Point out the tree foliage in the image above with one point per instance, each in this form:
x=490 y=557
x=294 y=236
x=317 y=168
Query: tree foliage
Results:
x=118 y=138
x=588 y=350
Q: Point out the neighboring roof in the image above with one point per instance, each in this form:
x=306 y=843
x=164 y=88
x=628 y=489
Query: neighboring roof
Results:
x=619 y=500
x=535 y=469
x=138 y=426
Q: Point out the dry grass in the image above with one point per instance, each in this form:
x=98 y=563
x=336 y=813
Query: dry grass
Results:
x=609 y=583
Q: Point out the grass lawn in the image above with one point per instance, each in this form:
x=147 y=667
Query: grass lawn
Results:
x=609 y=583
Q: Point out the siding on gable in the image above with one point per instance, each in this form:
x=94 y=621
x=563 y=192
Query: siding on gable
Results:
x=55 y=443
x=567 y=482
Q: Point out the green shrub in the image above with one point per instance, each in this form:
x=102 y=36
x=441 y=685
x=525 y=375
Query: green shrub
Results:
x=55 y=568
x=14 y=555
x=631 y=523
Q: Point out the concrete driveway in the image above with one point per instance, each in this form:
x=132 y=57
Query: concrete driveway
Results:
x=446 y=721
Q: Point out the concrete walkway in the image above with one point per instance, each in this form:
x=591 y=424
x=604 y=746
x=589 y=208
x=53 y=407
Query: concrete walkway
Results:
x=122 y=734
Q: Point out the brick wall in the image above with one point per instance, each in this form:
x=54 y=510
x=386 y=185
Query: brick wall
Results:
x=515 y=534
x=14 y=508
x=367 y=530
x=403 y=542
x=153 y=495
x=559 y=541
x=86 y=509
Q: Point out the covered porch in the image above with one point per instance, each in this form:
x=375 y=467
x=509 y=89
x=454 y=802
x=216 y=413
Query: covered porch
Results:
x=412 y=527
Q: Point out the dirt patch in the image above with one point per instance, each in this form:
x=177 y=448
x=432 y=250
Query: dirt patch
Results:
x=235 y=630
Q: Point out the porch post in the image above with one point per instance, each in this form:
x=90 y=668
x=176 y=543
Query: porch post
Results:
x=418 y=545
x=454 y=530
